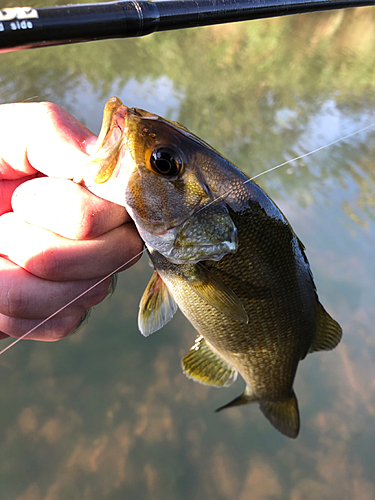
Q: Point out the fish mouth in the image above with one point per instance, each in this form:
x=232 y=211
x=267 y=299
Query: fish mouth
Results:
x=108 y=170
x=118 y=124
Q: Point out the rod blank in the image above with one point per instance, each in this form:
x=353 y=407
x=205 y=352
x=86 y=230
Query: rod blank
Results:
x=24 y=27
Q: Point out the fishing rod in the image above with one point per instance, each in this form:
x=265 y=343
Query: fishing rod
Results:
x=27 y=27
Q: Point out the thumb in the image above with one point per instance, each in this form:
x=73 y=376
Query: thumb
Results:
x=41 y=137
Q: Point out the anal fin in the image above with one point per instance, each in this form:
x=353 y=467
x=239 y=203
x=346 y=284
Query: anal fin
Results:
x=202 y=364
x=157 y=306
x=328 y=332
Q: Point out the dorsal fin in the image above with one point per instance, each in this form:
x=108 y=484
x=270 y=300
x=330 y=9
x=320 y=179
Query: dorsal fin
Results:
x=328 y=332
x=202 y=364
x=157 y=306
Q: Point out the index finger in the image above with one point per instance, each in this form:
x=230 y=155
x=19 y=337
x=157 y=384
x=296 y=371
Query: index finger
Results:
x=41 y=137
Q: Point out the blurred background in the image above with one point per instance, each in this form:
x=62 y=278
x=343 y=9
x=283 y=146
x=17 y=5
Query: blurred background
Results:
x=108 y=414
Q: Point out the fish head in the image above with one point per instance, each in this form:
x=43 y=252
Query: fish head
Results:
x=160 y=172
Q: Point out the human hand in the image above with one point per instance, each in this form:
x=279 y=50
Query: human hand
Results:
x=56 y=238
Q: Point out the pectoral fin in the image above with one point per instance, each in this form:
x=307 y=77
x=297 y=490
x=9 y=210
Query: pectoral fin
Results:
x=328 y=332
x=157 y=306
x=215 y=292
x=202 y=364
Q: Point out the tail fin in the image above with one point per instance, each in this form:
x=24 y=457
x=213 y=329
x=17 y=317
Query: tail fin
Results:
x=283 y=415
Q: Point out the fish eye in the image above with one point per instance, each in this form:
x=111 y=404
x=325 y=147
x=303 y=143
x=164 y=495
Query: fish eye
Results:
x=166 y=161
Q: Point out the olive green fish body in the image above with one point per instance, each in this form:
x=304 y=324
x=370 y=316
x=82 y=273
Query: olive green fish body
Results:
x=223 y=253
x=271 y=278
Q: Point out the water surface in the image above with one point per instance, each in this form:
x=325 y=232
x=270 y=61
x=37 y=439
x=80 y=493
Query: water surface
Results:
x=107 y=413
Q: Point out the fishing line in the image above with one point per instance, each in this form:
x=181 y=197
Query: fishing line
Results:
x=204 y=207
x=290 y=161
x=314 y=151
x=71 y=302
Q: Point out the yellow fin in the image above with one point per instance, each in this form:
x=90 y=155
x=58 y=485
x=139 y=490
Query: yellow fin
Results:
x=328 y=332
x=216 y=293
x=283 y=415
x=202 y=364
x=157 y=306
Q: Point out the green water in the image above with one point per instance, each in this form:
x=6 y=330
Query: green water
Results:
x=108 y=414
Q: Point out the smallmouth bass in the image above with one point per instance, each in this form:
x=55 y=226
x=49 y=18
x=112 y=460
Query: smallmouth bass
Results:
x=222 y=252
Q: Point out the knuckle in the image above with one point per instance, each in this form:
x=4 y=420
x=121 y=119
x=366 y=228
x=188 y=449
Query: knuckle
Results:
x=16 y=303
x=47 y=265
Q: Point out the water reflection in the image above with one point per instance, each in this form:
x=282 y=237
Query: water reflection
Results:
x=109 y=414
